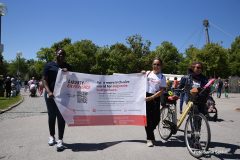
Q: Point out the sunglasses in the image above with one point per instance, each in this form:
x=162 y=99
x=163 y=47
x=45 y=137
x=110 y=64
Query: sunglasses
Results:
x=198 y=67
x=156 y=64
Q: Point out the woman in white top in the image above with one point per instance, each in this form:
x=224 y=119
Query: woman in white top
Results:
x=156 y=84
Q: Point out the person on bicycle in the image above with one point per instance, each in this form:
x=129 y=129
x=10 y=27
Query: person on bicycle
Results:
x=195 y=79
x=156 y=84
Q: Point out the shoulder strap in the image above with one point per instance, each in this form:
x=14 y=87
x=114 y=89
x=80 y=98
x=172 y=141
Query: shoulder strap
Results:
x=148 y=73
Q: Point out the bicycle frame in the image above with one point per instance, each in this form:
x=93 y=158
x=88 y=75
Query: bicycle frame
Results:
x=184 y=114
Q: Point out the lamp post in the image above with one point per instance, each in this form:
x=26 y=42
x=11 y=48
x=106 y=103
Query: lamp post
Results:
x=19 y=54
x=206 y=25
x=3 y=10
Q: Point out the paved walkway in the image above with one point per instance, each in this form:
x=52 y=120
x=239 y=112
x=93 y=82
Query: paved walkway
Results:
x=24 y=133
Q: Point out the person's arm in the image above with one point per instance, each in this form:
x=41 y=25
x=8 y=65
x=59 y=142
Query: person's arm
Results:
x=45 y=81
x=46 y=86
x=156 y=95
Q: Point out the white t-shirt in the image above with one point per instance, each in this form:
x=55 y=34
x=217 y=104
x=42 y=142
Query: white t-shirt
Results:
x=196 y=84
x=155 y=82
x=32 y=86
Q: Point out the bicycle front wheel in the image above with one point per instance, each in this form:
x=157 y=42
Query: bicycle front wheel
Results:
x=197 y=135
x=164 y=129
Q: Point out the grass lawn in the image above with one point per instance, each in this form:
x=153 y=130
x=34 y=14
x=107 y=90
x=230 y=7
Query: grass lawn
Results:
x=7 y=102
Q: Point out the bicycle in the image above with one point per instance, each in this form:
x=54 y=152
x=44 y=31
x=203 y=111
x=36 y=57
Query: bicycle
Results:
x=197 y=132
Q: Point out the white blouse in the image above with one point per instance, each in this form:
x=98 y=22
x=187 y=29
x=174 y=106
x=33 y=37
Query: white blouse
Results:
x=155 y=82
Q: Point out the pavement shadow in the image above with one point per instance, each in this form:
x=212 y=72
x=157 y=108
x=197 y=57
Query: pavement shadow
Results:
x=227 y=150
x=78 y=147
x=174 y=141
x=220 y=120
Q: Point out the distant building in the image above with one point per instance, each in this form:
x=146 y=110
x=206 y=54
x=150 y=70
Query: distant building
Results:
x=171 y=76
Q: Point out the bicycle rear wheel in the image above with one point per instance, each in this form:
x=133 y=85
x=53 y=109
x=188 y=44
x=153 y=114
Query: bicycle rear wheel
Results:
x=197 y=135
x=164 y=129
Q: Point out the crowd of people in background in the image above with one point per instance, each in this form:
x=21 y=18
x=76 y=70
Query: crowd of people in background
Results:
x=11 y=86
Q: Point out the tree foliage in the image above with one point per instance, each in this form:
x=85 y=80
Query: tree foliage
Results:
x=234 y=57
x=170 y=57
x=215 y=60
x=87 y=57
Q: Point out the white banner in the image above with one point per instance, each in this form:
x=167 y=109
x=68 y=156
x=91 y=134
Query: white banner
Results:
x=86 y=99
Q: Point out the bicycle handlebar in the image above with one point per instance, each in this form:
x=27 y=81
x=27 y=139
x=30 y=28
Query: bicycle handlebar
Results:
x=211 y=81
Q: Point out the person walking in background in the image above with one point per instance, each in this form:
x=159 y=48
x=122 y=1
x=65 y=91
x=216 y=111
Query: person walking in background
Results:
x=175 y=83
x=8 y=87
x=49 y=79
x=226 y=88
x=219 y=87
x=26 y=85
x=169 y=84
x=238 y=86
x=40 y=87
x=156 y=84
x=183 y=98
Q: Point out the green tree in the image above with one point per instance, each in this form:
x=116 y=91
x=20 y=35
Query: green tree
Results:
x=17 y=65
x=170 y=57
x=46 y=54
x=81 y=55
x=234 y=57
x=138 y=59
x=61 y=44
x=102 y=61
x=32 y=71
x=118 y=62
x=215 y=60
x=187 y=59
x=138 y=46
x=3 y=68
x=38 y=67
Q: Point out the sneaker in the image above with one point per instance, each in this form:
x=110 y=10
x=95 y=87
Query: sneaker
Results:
x=51 y=141
x=60 y=146
x=150 y=143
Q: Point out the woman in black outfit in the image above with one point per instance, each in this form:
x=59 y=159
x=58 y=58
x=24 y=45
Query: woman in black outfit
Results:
x=49 y=79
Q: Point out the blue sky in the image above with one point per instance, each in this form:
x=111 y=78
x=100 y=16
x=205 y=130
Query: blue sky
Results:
x=32 y=24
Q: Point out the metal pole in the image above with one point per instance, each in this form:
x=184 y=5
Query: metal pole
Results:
x=0 y=30
x=19 y=54
x=18 y=66
x=3 y=10
x=206 y=25
x=1 y=58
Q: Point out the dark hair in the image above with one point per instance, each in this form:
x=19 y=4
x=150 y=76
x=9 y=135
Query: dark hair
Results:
x=156 y=58
x=175 y=78
x=194 y=64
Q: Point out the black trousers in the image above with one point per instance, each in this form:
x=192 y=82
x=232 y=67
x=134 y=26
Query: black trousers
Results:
x=54 y=113
x=8 y=93
x=153 y=116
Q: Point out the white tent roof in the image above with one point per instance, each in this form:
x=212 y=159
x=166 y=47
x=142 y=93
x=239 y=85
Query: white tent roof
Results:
x=171 y=76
